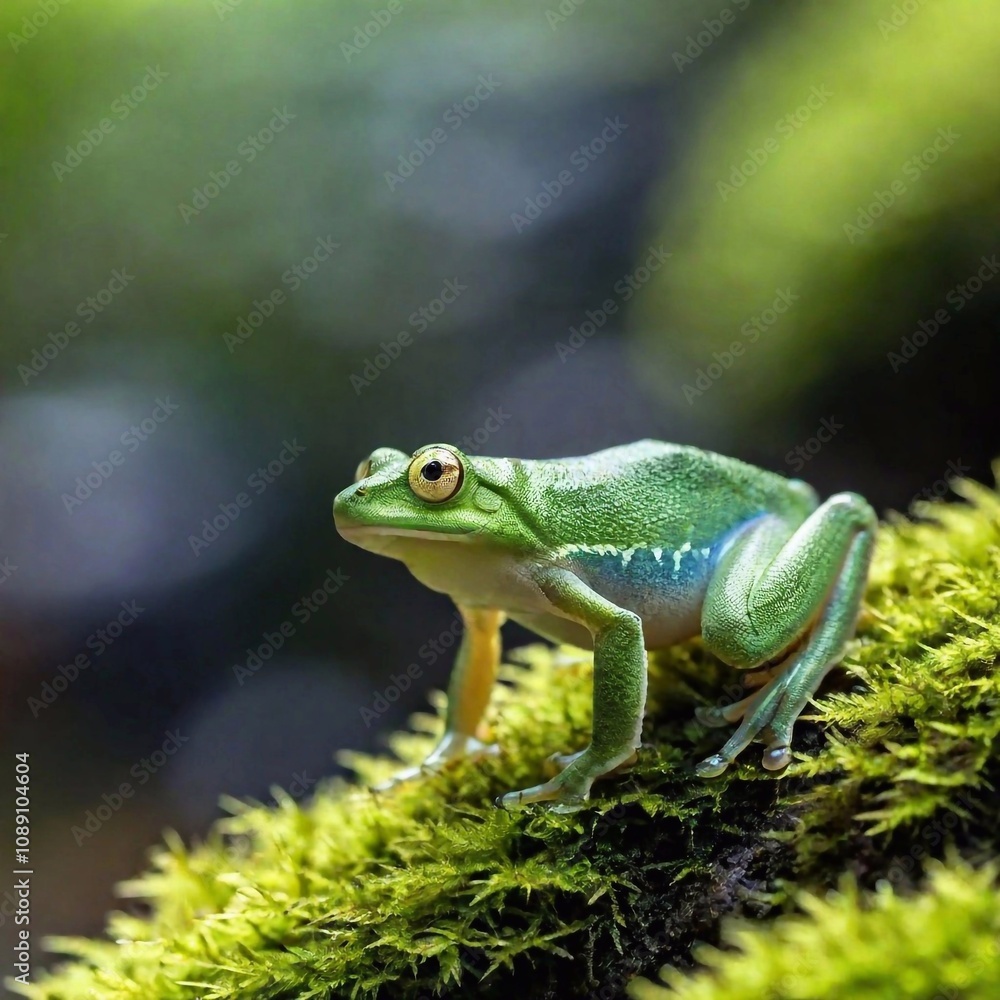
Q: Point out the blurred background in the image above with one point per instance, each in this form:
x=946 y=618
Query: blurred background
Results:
x=244 y=243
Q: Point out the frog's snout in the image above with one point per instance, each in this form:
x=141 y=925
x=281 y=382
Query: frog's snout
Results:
x=343 y=503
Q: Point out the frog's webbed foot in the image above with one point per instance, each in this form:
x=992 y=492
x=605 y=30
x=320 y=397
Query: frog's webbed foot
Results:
x=453 y=747
x=760 y=714
x=570 y=789
x=560 y=761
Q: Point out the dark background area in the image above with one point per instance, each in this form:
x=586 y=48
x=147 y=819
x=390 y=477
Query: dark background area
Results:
x=220 y=72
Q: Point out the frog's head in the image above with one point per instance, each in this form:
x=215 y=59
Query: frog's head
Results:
x=437 y=493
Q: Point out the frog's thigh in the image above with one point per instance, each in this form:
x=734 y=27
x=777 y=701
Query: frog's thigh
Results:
x=769 y=588
x=831 y=551
x=475 y=669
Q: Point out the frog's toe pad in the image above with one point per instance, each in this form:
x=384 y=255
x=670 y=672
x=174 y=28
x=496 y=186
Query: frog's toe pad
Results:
x=565 y=799
x=712 y=767
x=777 y=758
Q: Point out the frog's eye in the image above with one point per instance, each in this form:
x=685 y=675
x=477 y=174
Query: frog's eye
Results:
x=363 y=471
x=435 y=475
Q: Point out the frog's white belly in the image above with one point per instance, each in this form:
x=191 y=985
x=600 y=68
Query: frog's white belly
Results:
x=658 y=632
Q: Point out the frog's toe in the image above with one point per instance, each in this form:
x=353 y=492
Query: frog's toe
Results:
x=566 y=796
x=452 y=748
x=711 y=716
x=778 y=739
x=561 y=802
x=478 y=750
x=712 y=767
x=758 y=715
x=776 y=758
x=560 y=761
x=401 y=777
x=717 y=716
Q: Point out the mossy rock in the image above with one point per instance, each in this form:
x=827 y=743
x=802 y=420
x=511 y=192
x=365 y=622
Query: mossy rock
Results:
x=429 y=890
x=943 y=943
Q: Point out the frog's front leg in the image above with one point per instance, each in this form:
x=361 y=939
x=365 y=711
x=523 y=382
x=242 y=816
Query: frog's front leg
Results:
x=619 y=692
x=776 y=590
x=472 y=678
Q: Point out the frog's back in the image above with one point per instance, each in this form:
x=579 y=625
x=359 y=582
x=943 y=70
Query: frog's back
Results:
x=644 y=524
x=652 y=493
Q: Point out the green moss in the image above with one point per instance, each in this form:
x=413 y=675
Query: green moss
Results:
x=944 y=942
x=429 y=890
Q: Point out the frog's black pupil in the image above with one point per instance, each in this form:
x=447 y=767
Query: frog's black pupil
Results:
x=432 y=471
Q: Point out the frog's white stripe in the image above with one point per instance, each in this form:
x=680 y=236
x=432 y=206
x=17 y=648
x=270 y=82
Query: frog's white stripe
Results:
x=574 y=548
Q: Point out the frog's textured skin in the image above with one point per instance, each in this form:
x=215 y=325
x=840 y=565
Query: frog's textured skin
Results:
x=631 y=548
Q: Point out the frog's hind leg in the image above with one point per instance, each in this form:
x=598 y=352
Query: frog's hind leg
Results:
x=813 y=582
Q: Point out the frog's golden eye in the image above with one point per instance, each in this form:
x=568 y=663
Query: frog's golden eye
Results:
x=436 y=475
x=363 y=471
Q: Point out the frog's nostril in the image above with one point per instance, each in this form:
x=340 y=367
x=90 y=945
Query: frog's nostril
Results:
x=360 y=491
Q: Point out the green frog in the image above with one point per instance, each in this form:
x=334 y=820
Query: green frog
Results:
x=633 y=548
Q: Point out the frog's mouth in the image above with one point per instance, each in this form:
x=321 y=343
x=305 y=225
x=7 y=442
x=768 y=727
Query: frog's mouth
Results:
x=394 y=542
x=357 y=531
